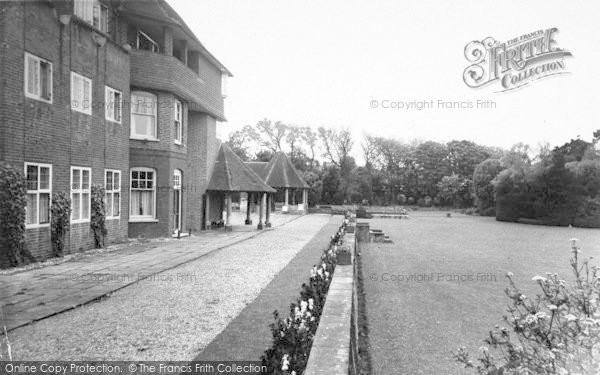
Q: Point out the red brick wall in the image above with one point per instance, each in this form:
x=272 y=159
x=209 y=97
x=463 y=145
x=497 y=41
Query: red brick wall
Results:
x=34 y=131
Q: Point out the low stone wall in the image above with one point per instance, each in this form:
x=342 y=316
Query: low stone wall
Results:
x=337 y=335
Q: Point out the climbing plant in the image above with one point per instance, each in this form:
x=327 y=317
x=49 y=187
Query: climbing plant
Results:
x=98 y=219
x=60 y=221
x=13 y=200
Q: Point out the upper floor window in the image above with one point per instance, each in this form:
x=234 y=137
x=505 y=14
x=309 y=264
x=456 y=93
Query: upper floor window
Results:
x=178 y=122
x=81 y=93
x=143 y=115
x=113 y=104
x=80 y=194
x=39 y=185
x=93 y=12
x=38 y=78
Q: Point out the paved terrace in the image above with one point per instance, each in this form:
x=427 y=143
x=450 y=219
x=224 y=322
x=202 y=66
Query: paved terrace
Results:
x=202 y=284
x=35 y=294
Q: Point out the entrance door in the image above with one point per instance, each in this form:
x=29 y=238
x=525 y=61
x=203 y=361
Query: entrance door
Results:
x=177 y=201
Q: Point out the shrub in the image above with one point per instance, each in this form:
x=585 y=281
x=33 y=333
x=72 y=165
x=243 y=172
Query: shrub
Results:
x=60 y=221
x=558 y=332
x=483 y=189
x=13 y=200
x=421 y=202
x=98 y=215
x=293 y=336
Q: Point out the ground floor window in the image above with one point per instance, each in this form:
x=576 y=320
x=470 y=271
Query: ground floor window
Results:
x=112 y=198
x=143 y=194
x=39 y=184
x=80 y=194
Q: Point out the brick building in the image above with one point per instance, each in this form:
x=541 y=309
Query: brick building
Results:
x=116 y=93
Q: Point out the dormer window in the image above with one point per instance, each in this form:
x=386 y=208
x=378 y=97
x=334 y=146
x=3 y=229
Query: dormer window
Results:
x=93 y=12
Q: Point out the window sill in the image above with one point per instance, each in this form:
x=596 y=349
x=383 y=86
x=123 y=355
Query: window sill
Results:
x=142 y=220
x=113 y=121
x=37 y=226
x=144 y=139
x=83 y=221
x=38 y=98
x=80 y=111
x=113 y=218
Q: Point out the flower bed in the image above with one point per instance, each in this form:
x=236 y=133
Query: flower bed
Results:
x=293 y=335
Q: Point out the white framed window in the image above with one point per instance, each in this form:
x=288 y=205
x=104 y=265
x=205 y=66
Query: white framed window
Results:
x=39 y=189
x=81 y=178
x=38 y=78
x=112 y=199
x=142 y=194
x=93 y=12
x=178 y=123
x=143 y=115
x=113 y=104
x=81 y=93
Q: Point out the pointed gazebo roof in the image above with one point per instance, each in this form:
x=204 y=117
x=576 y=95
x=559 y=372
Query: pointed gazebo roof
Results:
x=231 y=174
x=281 y=173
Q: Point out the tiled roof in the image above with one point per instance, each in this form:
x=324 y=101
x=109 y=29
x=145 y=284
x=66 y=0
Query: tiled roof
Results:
x=231 y=174
x=258 y=167
x=281 y=173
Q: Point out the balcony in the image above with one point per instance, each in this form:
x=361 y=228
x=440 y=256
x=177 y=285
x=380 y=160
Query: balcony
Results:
x=156 y=71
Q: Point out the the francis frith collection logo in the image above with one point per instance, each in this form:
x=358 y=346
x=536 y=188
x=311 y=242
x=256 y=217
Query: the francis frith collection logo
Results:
x=514 y=63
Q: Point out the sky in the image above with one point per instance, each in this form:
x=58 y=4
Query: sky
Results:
x=338 y=63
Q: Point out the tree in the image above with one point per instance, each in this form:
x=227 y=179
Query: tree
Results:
x=310 y=138
x=238 y=142
x=485 y=196
x=464 y=156
x=267 y=134
x=293 y=136
x=455 y=191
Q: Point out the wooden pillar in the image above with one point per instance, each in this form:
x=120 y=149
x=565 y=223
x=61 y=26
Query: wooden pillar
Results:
x=305 y=199
x=228 y=217
x=207 y=212
x=248 y=209
x=285 y=207
x=268 y=206
x=260 y=211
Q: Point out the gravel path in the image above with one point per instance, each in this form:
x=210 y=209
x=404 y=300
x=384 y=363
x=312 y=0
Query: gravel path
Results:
x=172 y=315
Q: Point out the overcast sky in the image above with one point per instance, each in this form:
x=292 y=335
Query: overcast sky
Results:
x=321 y=63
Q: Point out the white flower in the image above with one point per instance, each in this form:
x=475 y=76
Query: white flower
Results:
x=570 y=317
x=293 y=373
x=574 y=240
x=540 y=315
x=530 y=319
x=483 y=349
x=552 y=307
x=509 y=274
x=285 y=362
x=538 y=278
x=311 y=303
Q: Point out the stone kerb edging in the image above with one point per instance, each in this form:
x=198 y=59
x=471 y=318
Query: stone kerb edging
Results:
x=330 y=352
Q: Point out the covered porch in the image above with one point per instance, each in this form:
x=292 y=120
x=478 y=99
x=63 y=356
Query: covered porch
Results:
x=231 y=176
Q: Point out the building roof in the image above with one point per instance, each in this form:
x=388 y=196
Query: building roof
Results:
x=257 y=166
x=232 y=175
x=160 y=10
x=281 y=173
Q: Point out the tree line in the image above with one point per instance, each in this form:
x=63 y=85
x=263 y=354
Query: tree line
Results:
x=459 y=173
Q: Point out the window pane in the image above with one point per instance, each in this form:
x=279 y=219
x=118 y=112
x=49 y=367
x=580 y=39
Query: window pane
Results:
x=45 y=80
x=85 y=180
x=109 y=181
x=144 y=125
x=149 y=175
x=117 y=204
x=142 y=175
x=147 y=203
x=76 y=179
x=44 y=178
x=134 y=184
x=108 y=204
x=134 y=174
x=135 y=203
x=117 y=106
x=85 y=206
x=32 y=177
x=76 y=206
x=32 y=208
x=117 y=181
x=44 y=208
x=31 y=62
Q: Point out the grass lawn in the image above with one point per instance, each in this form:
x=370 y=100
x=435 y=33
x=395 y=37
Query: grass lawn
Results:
x=441 y=283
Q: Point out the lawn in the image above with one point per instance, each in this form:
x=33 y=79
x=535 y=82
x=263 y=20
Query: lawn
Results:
x=441 y=283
